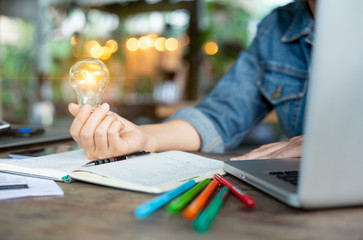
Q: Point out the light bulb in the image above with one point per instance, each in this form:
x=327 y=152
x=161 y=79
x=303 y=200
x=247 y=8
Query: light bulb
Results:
x=89 y=78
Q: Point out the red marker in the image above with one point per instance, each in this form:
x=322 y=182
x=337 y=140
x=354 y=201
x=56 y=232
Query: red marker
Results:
x=249 y=201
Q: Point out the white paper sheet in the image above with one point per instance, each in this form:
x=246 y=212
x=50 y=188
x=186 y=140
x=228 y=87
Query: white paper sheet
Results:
x=36 y=187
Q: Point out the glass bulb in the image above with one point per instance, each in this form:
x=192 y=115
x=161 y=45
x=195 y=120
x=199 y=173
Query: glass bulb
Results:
x=89 y=78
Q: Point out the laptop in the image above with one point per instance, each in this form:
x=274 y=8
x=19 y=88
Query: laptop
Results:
x=330 y=172
x=47 y=135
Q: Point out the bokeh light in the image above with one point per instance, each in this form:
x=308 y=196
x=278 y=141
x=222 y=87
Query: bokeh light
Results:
x=96 y=51
x=210 y=48
x=144 y=43
x=106 y=53
x=171 y=44
x=132 y=44
x=74 y=40
x=112 y=45
x=160 y=44
x=90 y=45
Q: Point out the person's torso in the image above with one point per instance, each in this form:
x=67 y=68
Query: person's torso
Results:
x=284 y=58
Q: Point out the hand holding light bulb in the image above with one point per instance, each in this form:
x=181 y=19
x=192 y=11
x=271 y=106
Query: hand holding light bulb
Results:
x=102 y=133
x=95 y=128
x=89 y=78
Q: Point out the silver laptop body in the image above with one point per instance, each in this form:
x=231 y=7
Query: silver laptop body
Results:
x=331 y=169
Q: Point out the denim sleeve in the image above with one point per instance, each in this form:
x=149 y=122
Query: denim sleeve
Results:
x=235 y=105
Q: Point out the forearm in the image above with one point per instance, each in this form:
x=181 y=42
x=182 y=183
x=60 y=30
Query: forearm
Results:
x=172 y=135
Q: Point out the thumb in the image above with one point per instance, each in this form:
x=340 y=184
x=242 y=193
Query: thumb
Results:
x=74 y=109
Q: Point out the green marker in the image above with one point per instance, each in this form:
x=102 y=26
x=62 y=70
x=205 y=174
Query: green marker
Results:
x=179 y=203
x=202 y=223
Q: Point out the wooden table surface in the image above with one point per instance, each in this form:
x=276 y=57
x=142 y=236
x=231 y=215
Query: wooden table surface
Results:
x=88 y=211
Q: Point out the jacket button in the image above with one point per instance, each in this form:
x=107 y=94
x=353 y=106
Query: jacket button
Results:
x=277 y=93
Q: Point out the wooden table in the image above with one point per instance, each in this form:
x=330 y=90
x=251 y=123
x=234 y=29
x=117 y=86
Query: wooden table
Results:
x=89 y=211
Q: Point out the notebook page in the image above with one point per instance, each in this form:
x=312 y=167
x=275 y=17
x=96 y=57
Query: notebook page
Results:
x=54 y=166
x=157 y=169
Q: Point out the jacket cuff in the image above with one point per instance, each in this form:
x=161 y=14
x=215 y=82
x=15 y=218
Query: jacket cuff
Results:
x=211 y=140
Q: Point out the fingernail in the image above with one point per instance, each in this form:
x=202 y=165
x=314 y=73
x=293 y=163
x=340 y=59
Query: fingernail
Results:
x=105 y=106
x=233 y=158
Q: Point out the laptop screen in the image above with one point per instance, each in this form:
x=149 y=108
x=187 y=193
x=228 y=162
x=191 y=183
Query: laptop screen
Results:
x=53 y=134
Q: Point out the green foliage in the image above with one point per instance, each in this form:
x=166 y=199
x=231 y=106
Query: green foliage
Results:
x=61 y=50
x=226 y=23
x=17 y=74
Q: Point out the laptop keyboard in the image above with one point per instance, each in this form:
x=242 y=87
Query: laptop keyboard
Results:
x=288 y=176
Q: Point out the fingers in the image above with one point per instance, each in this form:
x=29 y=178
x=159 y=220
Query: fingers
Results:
x=87 y=133
x=79 y=121
x=264 y=150
x=124 y=137
x=85 y=123
x=290 y=151
x=114 y=137
x=102 y=144
x=102 y=133
x=286 y=149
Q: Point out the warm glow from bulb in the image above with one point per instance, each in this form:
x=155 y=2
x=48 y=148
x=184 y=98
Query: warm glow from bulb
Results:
x=145 y=43
x=160 y=44
x=89 y=78
x=132 y=44
x=210 y=48
x=171 y=44
x=96 y=51
x=112 y=45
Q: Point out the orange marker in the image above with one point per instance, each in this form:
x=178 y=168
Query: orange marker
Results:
x=194 y=208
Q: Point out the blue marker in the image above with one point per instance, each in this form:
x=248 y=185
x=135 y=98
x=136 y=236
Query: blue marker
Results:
x=148 y=207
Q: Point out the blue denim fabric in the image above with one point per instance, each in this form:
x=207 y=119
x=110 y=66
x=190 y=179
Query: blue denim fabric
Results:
x=272 y=74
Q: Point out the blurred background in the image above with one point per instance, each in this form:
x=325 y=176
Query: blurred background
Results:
x=161 y=54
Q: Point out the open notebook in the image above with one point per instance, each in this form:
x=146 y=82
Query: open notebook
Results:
x=154 y=173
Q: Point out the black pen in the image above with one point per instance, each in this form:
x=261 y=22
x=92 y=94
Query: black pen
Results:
x=115 y=159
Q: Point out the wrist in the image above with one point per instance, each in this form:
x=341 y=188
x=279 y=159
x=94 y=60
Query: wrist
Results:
x=150 y=144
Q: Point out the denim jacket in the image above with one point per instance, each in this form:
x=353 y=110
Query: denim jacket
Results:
x=272 y=74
